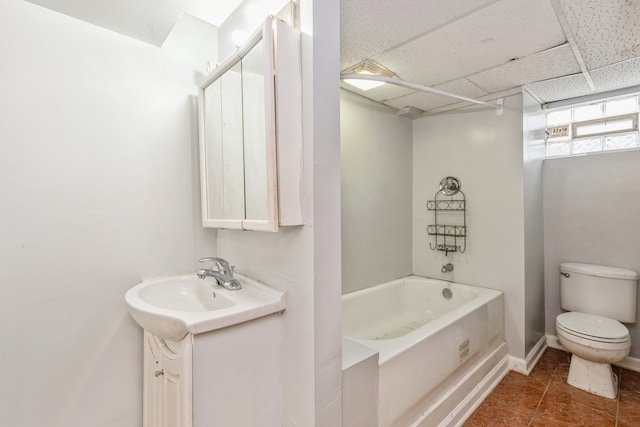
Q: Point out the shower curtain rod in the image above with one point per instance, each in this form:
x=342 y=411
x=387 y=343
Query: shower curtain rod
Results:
x=498 y=104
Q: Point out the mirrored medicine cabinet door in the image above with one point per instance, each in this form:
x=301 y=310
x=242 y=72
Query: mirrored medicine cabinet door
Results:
x=237 y=139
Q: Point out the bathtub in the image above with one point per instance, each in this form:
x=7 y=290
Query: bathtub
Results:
x=433 y=351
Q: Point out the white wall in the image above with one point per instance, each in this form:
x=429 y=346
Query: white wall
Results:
x=98 y=185
x=305 y=261
x=533 y=158
x=376 y=149
x=485 y=152
x=591 y=206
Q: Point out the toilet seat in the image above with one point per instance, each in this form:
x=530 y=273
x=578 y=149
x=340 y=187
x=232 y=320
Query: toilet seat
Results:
x=592 y=328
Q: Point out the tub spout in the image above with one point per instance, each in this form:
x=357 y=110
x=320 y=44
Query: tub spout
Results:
x=447 y=268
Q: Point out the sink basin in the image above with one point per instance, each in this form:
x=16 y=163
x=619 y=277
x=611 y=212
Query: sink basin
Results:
x=171 y=307
x=184 y=295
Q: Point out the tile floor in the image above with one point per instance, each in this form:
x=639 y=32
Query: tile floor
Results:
x=545 y=399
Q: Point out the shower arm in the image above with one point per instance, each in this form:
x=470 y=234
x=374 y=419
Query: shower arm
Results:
x=498 y=105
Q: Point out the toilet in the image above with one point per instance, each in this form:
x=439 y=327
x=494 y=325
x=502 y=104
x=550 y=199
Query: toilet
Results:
x=597 y=299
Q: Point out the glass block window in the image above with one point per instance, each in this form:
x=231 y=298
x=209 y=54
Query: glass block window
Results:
x=610 y=124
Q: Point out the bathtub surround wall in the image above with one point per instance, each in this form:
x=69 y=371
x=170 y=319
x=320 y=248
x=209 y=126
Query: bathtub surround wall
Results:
x=486 y=152
x=99 y=188
x=591 y=206
x=533 y=160
x=500 y=171
x=376 y=193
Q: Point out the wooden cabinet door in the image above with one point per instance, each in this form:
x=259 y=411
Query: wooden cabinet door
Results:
x=167 y=384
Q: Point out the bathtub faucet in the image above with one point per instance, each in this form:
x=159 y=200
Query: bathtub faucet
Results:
x=447 y=268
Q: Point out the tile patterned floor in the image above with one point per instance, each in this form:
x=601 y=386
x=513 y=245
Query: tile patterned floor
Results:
x=545 y=399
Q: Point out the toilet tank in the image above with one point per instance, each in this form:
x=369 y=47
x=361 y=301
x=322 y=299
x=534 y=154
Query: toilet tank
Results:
x=598 y=289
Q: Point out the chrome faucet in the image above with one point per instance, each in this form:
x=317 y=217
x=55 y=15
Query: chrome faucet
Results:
x=223 y=273
x=446 y=268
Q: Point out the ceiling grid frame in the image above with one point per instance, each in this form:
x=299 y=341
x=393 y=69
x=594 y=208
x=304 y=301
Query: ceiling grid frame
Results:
x=564 y=23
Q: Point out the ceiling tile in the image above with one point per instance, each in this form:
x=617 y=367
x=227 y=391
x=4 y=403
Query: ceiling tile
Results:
x=427 y=101
x=561 y=88
x=548 y=64
x=421 y=100
x=482 y=40
x=617 y=76
x=369 y=27
x=606 y=32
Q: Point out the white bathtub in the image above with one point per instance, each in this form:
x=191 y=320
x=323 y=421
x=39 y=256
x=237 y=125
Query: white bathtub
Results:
x=433 y=351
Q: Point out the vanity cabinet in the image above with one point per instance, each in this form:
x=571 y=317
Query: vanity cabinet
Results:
x=251 y=134
x=167 y=382
x=227 y=377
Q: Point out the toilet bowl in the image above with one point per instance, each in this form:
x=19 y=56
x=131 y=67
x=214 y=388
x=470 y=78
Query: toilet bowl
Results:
x=596 y=298
x=595 y=343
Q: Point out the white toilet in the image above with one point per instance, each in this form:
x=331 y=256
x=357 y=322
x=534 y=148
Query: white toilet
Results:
x=597 y=298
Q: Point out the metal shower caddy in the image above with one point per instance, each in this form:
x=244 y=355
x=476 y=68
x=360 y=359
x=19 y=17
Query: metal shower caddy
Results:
x=450 y=227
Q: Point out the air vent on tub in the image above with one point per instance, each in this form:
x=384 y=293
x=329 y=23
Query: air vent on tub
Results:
x=464 y=349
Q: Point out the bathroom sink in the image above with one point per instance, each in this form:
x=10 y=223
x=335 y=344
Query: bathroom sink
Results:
x=171 y=307
x=184 y=295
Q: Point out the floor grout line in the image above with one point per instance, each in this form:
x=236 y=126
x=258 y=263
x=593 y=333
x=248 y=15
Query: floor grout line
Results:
x=544 y=393
x=543 y=409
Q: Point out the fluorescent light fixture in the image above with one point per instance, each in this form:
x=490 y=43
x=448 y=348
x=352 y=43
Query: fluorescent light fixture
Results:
x=370 y=68
x=364 y=84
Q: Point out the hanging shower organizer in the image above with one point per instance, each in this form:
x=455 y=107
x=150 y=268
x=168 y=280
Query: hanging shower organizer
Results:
x=449 y=226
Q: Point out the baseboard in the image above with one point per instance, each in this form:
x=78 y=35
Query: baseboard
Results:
x=470 y=391
x=466 y=408
x=630 y=363
x=525 y=366
x=553 y=342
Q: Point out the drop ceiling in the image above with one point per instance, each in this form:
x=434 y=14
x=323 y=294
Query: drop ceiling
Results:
x=486 y=49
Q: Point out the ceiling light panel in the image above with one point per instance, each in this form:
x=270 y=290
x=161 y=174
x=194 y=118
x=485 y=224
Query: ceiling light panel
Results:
x=379 y=94
x=367 y=68
x=364 y=84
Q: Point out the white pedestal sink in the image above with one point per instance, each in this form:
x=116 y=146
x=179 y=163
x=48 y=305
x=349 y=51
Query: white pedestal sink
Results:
x=171 y=307
x=211 y=356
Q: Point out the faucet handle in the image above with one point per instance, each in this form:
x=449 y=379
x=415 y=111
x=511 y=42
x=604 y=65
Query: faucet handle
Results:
x=221 y=264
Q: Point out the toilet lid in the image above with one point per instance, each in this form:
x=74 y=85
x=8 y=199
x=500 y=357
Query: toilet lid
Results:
x=593 y=327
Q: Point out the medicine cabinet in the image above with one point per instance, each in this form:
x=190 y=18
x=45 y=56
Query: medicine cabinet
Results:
x=251 y=134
